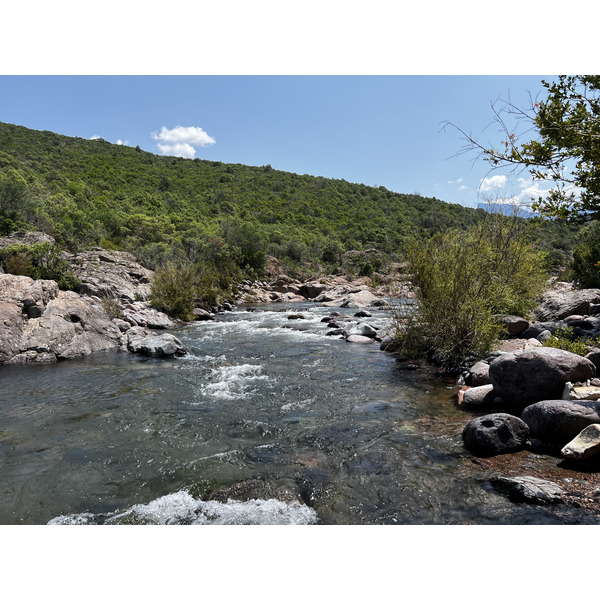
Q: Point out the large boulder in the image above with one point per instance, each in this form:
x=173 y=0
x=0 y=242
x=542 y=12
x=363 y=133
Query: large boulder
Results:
x=42 y=324
x=479 y=374
x=156 y=346
x=111 y=274
x=493 y=434
x=555 y=306
x=526 y=377
x=513 y=325
x=557 y=422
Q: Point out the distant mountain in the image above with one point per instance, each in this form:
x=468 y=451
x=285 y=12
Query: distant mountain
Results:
x=506 y=209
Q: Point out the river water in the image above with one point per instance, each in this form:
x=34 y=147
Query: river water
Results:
x=339 y=433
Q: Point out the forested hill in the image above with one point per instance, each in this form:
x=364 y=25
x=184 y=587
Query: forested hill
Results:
x=93 y=193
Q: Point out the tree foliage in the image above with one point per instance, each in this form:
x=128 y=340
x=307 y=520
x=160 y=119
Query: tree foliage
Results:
x=565 y=149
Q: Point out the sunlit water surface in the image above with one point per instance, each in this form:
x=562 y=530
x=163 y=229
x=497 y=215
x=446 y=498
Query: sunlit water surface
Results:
x=350 y=436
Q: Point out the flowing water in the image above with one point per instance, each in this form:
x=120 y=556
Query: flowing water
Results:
x=338 y=431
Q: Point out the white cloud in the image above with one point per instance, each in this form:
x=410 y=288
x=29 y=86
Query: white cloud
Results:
x=95 y=137
x=181 y=141
x=122 y=143
x=452 y=182
x=463 y=187
x=495 y=182
x=183 y=150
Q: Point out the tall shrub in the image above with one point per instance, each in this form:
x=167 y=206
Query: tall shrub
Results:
x=462 y=279
x=173 y=290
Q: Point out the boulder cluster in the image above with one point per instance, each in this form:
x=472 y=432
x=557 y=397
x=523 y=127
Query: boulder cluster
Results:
x=539 y=397
x=40 y=323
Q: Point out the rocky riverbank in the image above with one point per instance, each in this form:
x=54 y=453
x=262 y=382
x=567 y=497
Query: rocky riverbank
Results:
x=43 y=324
x=535 y=400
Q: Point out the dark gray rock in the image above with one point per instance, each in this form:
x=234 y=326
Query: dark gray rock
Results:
x=203 y=315
x=535 y=329
x=557 y=422
x=389 y=344
x=529 y=489
x=526 y=377
x=498 y=433
x=594 y=357
x=363 y=314
x=296 y=316
x=513 y=325
x=479 y=374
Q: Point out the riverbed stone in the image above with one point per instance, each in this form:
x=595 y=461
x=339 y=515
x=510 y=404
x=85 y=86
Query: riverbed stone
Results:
x=479 y=374
x=157 y=346
x=585 y=446
x=359 y=339
x=530 y=490
x=362 y=329
x=526 y=377
x=497 y=433
x=482 y=395
x=556 y=422
x=513 y=325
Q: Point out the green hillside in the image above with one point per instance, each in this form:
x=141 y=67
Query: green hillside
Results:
x=92 y=193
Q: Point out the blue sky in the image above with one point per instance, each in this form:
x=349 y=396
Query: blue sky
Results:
x=377 y=130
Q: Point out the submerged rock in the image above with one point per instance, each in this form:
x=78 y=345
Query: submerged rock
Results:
x=529 y=489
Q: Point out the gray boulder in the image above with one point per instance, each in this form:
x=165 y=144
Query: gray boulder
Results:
x=594 y=357
x=557 y=422
x=493 y=434
x=111 y=274
x=539 y=327
x=482 y=395
x=526 y=377
x=364 y=330
x=531 y=490
x=555 y=306
x=156 y=346
x=513 y=325
x=479 y=374
x=359 y=339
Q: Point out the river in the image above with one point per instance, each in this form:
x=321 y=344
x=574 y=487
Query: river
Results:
x=339 y=432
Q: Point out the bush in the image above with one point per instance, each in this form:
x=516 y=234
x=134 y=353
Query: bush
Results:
x=463 y=278
x=173 y=290
x=586 y=256
x=39 y=261
x=563 y=340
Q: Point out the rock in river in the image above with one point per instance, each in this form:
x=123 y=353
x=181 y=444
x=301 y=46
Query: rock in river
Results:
x=493 y=434
x=557 y=422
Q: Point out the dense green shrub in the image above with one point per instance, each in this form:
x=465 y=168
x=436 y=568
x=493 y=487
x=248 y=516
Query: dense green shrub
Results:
x=39 y=261
x=563 y=339
x=173 y=290
x=463 y=278
x=586 y=256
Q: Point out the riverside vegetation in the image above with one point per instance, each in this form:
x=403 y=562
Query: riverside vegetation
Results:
x=205 y=229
